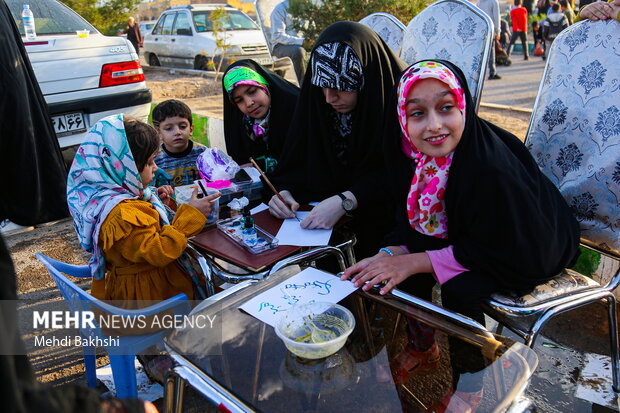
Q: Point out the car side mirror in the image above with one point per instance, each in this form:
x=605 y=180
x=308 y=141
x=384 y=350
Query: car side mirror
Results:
x=184 y=32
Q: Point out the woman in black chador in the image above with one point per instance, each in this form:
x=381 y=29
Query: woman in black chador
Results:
x=332 y=153
x=476 y=213
x=257 y=113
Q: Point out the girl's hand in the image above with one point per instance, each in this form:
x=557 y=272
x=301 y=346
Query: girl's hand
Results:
x=279 y=209
x=597 y=11
x=360 y=265
x=203 y=204
x=391 y=271
x=325 y=214
x=164 y=192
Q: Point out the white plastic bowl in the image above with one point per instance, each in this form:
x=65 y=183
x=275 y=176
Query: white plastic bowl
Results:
x=295 y=329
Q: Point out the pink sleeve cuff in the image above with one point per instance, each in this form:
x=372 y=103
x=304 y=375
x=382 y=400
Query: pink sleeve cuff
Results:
x=445 y=265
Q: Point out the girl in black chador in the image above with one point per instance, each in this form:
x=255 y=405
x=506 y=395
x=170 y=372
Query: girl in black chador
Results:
x=333 y=149
x=257 y=113
x=476 y=213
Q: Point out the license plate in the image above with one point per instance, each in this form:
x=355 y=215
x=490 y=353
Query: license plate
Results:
x=69 y=123
x=263 y=60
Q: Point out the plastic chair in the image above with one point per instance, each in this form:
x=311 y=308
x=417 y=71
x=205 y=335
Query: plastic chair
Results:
x=388 y=27
x=452 y=30
x=122 y=356
x=573 y=134
x=263 y=15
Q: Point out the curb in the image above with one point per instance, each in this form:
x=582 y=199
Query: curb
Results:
x=504 y=107
x=174 y=71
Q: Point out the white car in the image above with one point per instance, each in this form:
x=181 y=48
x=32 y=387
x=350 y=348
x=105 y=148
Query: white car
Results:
x=146 y=27
x=83 y=78
x=183 y=37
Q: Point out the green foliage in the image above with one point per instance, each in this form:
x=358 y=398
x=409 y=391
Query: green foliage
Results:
x=588 y=261
x=108 y=18
x=312 y=17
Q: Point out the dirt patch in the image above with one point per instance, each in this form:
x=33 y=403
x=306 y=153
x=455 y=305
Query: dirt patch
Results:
x=515 y=122
x=202 y=94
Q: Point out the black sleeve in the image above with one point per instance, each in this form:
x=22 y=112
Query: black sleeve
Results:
x=519 y=237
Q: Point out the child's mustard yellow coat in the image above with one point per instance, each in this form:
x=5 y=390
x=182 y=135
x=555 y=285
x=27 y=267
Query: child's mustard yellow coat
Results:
x=141 y=255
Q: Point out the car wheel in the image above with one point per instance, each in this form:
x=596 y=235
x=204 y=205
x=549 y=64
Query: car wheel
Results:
x=201 y=63
x=153 y=60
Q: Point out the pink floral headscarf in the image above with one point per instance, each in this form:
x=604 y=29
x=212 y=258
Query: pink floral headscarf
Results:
x=426 y=208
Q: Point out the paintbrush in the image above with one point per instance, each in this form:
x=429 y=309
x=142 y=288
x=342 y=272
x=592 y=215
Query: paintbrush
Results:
x=270 y=185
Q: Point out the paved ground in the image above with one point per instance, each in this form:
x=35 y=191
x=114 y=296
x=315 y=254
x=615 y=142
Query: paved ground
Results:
x=519 y=83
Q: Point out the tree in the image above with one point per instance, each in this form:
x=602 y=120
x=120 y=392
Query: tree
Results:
x=107 y=17
x=312 y=16
x=217 y=17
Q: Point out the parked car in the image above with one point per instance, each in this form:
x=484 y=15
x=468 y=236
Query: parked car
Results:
x=183 y=37
x=146 y=26
x=83 y=76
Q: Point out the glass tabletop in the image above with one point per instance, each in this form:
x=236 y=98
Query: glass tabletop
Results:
x=244 y=356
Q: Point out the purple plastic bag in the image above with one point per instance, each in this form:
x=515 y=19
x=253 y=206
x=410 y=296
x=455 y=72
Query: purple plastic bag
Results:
x=214 y=165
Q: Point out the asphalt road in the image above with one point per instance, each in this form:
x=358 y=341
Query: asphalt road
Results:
x=519 y=84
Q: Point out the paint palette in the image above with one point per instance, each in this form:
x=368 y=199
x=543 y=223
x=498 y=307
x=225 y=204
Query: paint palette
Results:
x=233 y=228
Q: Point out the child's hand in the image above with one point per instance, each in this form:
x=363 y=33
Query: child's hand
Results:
x=280 y=209
x=203 y=204
x=164 y=192
x=599 y=10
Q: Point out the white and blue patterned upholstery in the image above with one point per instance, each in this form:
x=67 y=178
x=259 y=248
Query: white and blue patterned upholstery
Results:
x=388 y=27
x=574 y=133
x=452 y=30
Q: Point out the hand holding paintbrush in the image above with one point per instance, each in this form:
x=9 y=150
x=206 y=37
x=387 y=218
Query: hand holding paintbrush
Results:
x=270 y=185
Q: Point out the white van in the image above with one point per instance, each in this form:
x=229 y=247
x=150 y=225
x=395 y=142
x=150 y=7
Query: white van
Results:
x=83 y=78
x=183 y=37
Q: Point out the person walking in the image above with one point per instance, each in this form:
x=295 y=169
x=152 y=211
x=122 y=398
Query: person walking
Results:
x=133 y=34
x=491 y=8
x=518 y=15
x=553 y=25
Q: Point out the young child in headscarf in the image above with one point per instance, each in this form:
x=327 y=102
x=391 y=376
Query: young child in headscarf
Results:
x=134 y=240
x=257 y=113
x=333 y=149
x=476 y=214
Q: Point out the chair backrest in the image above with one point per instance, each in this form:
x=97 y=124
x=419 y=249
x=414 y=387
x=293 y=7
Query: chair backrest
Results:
x=76 y=298
x=80 y=301
x=388 y=27
x=263 y=14
x=574 y=132
x=452 y=30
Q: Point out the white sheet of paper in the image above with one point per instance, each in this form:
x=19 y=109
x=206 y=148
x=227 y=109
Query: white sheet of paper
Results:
x=291 y=233
x=307 y=286
x=258 y=208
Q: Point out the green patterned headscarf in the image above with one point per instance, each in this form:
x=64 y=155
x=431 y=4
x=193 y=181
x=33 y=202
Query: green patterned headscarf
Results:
x=242 y=75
